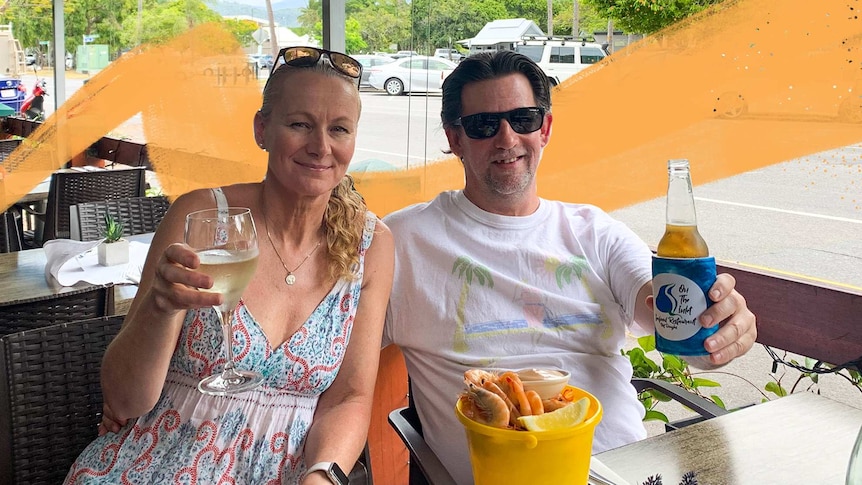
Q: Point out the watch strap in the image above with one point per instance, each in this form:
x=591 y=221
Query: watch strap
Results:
x=327 y=468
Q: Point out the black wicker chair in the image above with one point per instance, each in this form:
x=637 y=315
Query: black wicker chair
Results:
x=10 y=237
x=425 y=468
x=50 y=398
x=67 y=307
x=138 y=215
x=70 y=187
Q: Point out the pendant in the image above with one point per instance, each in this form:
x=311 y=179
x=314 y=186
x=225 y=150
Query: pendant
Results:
x=290 y=279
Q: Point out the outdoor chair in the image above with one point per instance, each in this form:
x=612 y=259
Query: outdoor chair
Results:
x=10 y=237
x=138 y=215
x=23 y=315
x=426 y=469
x=70 y=187
x=50 y=397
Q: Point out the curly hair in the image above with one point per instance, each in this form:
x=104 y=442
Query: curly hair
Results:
x=343 y=225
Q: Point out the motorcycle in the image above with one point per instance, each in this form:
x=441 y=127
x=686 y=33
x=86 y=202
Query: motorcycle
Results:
x=33 y=106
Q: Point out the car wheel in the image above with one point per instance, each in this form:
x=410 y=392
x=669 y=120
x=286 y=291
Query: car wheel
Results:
x=394 y=86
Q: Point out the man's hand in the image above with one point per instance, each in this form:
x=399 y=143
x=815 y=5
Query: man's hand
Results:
x=737 y=328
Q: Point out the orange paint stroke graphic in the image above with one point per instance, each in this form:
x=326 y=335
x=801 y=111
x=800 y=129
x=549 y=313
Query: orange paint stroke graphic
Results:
x=741 y=86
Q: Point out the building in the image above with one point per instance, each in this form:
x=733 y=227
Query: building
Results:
x=500 y=35
x=285 y=36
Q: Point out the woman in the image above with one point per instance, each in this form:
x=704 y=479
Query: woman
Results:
x=300 y=305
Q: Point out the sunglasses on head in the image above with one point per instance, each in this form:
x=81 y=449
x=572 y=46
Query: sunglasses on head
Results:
x=310 y=56
x=486 y=125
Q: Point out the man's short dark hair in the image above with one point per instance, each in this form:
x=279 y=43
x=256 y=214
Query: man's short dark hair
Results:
x=491 y=65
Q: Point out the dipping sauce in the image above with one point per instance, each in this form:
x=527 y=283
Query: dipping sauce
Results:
x=540 y=374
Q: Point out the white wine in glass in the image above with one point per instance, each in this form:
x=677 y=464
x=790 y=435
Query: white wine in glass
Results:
x=225 y=240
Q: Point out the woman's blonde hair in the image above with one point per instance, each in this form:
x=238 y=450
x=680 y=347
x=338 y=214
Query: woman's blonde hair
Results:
x=343 y=225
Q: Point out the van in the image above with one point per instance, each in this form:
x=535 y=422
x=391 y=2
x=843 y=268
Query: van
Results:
x=560 y=57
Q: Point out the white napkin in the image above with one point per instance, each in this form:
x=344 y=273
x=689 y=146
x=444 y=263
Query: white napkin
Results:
x=72 y=261
x=603 y=471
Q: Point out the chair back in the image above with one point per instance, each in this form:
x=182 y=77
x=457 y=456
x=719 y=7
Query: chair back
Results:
x=50 y=398
x=69 y=187
x=67 y=307
x=10 y=237
x=138 y=215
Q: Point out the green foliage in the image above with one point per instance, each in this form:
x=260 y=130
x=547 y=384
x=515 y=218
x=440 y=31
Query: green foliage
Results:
x=673 y=369
x=113 y=230
x=647 y=16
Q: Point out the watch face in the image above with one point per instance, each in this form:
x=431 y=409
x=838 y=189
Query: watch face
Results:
x=336 y=475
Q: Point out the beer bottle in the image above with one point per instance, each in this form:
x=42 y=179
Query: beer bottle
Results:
x=681 y=239
x=682 y=271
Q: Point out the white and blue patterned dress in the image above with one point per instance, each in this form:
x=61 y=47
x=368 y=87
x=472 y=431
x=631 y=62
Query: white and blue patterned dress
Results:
x=255 y=437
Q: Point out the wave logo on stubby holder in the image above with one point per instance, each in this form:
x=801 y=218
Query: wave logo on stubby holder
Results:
x=680 y=287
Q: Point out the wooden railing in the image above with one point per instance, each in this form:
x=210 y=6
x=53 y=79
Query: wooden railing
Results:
x=807 y=318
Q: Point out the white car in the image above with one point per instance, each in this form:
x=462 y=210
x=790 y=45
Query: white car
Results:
x=415 y=74
x=449 y=54
x=560 y=57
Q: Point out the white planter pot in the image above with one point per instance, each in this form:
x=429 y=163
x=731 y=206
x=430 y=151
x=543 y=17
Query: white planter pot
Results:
x=114 y=253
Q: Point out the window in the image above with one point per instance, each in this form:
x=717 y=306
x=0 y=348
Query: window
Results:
x=591 y=55
x=418 y=64
x=563 y=55
x=534 y=52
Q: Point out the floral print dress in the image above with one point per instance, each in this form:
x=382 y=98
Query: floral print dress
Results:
x=254 y=437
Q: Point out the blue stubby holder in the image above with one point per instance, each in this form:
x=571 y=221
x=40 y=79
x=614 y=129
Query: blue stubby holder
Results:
x=681 y=291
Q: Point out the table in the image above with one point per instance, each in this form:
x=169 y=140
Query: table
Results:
x=22 y=276
x=801 y=438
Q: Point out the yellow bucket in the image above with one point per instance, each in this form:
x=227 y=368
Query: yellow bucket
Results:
x=508 y=456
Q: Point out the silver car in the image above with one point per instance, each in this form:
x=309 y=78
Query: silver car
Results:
x=414 y=74
x=368 y=61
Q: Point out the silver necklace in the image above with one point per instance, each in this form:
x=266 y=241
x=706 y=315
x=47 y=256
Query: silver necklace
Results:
x=290 y=279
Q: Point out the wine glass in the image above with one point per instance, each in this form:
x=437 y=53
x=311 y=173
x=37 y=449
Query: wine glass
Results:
x=225 y=240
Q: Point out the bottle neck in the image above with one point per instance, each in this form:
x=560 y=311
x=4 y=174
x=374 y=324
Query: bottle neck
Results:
x=680 y=198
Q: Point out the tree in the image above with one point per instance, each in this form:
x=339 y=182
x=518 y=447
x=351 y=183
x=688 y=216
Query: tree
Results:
x=646 y=17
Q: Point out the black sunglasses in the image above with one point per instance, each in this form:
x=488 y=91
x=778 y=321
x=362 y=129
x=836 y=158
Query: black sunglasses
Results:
x=485 y=125
x=310 y=56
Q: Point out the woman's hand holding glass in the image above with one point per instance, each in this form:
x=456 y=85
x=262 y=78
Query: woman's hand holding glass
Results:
x=225 y=243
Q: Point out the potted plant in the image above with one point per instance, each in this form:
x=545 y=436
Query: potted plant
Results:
x=114 y=249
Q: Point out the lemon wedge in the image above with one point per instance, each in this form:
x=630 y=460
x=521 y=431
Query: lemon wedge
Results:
x=565 y=417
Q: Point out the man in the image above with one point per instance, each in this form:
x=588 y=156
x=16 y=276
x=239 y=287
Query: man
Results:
x=492 y=276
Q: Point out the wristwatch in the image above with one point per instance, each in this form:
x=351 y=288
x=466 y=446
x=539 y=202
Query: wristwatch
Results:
x=332 y=470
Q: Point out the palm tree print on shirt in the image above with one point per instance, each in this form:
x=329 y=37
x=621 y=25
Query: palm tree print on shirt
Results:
x=467 y=270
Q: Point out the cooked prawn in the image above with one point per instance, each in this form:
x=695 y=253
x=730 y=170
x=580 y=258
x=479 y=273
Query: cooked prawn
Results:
x=553 y=404
x=535 y=402
x=513 y=410
x=478 y=377
x=516 y=392
x=486 y=407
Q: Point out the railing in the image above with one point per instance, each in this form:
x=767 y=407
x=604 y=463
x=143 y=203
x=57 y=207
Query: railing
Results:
x=116 y=150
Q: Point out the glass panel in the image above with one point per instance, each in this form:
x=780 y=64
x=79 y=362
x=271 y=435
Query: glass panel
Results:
x=563 y=55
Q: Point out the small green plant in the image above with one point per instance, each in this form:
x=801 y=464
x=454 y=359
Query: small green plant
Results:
x=113 y=230
x=673 y=369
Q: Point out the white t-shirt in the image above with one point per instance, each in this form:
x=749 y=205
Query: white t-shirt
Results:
x=553 y=289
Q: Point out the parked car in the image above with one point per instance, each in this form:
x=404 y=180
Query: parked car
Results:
x=30 y=59
x=449 y=54
x=560 y=57
x=400 y=54
x=412 y=74
x=368 y=61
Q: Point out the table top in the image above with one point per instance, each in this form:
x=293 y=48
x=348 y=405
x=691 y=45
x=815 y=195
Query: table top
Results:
x=22 y=276
x=801 y=438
